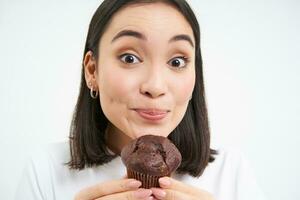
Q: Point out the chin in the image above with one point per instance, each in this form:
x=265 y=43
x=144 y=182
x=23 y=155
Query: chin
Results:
x=148 y=132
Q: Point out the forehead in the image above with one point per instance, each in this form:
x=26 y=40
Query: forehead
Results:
x=155 y=20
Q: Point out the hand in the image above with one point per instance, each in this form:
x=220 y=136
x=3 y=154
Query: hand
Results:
x=123 y=189
x=172 y=189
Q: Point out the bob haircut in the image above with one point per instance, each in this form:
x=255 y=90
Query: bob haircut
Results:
x=87 y=131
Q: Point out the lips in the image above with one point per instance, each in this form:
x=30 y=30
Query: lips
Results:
x=152 y=114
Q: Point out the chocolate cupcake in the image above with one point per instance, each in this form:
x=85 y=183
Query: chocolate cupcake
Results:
x=150 y=157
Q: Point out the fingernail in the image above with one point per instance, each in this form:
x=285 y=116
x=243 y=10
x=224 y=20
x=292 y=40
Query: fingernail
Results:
x=142 y=193
x=134 y=184
x=159 y=193
x=164 y=182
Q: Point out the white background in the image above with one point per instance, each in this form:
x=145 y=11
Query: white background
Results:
x=251 y=68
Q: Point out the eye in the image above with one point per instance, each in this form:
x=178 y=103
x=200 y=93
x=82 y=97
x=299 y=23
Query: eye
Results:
x=129 y=58
x=179 y=62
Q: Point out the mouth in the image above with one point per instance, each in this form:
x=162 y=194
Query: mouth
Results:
x=152 y=114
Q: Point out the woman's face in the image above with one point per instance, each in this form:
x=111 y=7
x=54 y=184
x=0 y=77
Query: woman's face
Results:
x=144 y=81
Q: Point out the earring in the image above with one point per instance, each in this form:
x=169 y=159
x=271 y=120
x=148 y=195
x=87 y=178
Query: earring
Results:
x=94 y=96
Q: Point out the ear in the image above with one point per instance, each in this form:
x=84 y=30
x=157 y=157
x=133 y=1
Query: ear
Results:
x=90 y=70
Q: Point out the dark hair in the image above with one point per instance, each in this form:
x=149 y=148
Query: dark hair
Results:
x=192 y=136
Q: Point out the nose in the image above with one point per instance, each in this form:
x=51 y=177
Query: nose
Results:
x=154 y=85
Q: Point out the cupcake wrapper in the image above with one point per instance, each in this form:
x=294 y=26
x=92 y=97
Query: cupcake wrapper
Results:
x=147 y=180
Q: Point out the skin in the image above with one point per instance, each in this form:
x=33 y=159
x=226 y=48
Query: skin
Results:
x=152 y=81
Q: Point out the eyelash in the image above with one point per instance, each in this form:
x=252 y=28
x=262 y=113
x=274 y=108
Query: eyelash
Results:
x=185 y=59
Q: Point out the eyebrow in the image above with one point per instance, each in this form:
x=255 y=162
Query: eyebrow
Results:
x=138 y=35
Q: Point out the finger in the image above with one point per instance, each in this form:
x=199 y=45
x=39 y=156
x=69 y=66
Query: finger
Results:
x=106 y=188
x=169 y=183
x=140 y=194
x=168 y=194
x=158 y=193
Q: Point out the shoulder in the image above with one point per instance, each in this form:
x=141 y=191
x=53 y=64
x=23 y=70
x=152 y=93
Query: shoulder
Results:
x=242 y=174
x=230 y=176
x=229 y=156
x=231 y=163
x=227 y=162
x=45 y=161
x=226 y=165
x=47 y=158
x=39 y=172
x=53 y=153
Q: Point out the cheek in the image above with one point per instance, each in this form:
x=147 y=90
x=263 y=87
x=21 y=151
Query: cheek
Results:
x=115 y=91
x=183 y=89
x=115 y=85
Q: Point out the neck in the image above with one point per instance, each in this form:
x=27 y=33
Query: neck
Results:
x=115 y=139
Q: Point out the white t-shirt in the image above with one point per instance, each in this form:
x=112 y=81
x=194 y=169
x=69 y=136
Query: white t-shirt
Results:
x=46 y=177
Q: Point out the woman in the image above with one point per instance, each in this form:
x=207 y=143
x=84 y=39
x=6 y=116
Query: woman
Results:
x=142 y=74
